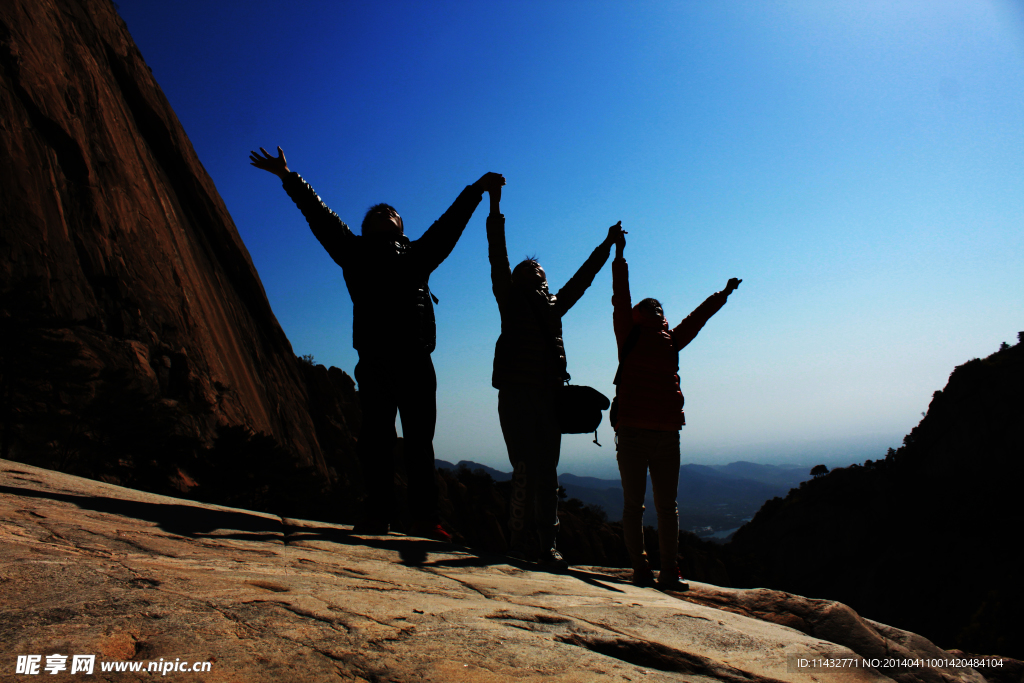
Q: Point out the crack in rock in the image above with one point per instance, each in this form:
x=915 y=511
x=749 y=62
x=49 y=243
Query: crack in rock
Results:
x=466 y=584
x=652 y=655
x=269 y=586
x=334 y=623
x=143 y=582
x=536 y=622
x=239 y=548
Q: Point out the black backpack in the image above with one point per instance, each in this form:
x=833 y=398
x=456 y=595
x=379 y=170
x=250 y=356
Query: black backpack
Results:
x=578 y=408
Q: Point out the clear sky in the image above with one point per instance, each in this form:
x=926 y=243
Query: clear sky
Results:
x=860 y=165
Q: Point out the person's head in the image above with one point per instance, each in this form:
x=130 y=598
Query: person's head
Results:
x=649 y=310
x=529 y=275
x=382 y=219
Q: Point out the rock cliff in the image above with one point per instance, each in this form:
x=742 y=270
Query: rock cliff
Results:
x=134 y=325
x=132 y=578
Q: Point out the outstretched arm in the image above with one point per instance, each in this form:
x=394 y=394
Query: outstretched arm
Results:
x=497 y=252
x=492 y=185
x=620 y=242
x=685 y=331
x=440 y=238
x=584 y=277
x=330 y=230
x=622 y=305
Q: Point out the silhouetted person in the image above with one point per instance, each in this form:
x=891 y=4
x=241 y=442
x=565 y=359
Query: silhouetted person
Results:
x=529 y=369
x=393 y=330
x=650 y=415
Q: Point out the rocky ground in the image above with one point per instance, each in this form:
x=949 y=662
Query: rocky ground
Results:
x=91 y=568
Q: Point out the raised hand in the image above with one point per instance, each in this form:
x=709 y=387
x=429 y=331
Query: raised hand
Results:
x=490 y=182
x=620 y=244
x=616 y=233
x=277 y=165
x=732 y=285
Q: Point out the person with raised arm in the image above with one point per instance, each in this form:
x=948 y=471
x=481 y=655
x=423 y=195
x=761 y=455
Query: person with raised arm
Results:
x=649 y=414
x=394 y=332
x=529 y=369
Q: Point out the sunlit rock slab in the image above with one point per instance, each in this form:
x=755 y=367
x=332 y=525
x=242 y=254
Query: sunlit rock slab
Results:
x=91 y=568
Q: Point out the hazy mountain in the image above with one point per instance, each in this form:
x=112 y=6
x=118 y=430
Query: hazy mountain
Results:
x=774 y=475
x=496 y=475
x=711 y=499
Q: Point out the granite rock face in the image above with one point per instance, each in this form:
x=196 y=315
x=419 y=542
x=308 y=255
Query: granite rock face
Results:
x=123 y=280
x=137 y=578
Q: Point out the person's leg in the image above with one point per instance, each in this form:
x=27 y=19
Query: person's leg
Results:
x=633 y=470
x=418 y=408
x=664 y=464
x=376 y=445
x=517 y=426
x=544 y=480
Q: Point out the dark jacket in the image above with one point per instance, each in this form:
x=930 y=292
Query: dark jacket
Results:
x=530 y=349
x=648 y=391
x=387 y=278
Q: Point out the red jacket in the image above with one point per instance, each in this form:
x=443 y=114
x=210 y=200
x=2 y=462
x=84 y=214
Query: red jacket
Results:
x=648 y=391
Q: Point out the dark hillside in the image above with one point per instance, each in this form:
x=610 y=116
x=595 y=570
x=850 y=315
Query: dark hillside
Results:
x=929 y=537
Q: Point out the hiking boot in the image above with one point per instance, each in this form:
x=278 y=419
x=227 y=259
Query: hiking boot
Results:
x=553 y=560
x=518 y=554
x=644 y=578
x=521 y=547
x=672 y=580
x=430 y=530
x=371 y=527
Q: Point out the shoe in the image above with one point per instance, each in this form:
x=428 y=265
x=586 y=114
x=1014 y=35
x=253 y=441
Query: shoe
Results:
x=553 y=560
x=672 y=580
x=428 y=530
x=522 y=551
x=371 y=527
x=644 y=578
x=518 y=555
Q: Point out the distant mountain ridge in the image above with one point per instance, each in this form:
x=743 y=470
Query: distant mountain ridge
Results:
x=496 y=475
x=711 y=497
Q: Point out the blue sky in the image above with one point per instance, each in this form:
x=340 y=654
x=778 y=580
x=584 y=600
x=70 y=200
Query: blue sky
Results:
x=859 y=164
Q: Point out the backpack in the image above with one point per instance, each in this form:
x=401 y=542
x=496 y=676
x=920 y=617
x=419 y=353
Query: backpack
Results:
x=578 y=408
